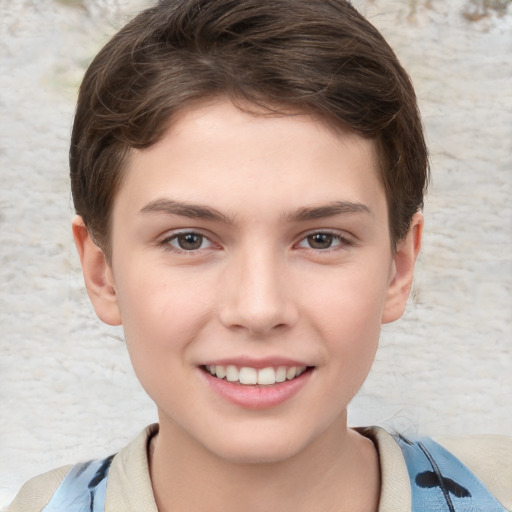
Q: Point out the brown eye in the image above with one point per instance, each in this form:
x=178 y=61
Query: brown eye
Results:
x=188 y=241
x=320 y=240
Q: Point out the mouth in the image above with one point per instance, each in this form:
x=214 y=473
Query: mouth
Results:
x=248 y=376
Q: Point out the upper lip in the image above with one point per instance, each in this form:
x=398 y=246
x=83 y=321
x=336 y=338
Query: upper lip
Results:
x=255 y=362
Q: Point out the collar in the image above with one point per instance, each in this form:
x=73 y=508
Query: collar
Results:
x=129 y=486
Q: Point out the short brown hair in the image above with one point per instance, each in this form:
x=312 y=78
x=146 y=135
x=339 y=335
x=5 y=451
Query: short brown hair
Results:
x=313 y=56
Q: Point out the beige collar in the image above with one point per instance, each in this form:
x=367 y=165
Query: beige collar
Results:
x=129 y=484
x=395 y=489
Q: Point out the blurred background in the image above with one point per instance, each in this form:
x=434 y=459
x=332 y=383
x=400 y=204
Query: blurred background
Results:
x=67 y=390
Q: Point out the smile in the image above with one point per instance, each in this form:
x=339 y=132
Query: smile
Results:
x=252 y=376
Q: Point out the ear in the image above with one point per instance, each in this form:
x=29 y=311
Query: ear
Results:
x=403 y=270
x=98 y=277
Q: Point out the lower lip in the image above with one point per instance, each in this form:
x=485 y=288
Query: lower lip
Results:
x=257 y=397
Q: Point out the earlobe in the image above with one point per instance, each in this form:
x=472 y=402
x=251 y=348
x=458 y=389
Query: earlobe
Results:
x=404 y=259
x=98 y=277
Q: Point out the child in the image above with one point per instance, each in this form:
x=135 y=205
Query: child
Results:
x=248 y=177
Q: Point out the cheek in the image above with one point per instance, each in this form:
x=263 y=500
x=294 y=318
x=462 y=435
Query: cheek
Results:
x=348 y=314
x=353 y=298
x=352 y=334
x=162 y=312
x=161 y=318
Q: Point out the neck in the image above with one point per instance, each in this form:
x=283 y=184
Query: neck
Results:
x=337 y=472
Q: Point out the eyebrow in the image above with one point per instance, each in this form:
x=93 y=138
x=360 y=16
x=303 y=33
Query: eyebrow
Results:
x=194 y=211
x=329 y=210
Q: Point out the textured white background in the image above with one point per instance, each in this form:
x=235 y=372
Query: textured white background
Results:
x=67 y=391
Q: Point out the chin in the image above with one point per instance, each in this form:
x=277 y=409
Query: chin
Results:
x=258 y=446
x=257 y=454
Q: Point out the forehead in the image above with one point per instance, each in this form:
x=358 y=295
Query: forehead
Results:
x=242 y=159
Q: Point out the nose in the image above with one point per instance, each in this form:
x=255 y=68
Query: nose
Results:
x=258 y=295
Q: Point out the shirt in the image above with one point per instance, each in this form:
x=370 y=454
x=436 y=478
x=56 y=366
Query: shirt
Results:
x=129 y=485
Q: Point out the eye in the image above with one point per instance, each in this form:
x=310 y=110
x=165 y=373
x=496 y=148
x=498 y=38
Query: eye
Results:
x=323 y=240
x=188 y=241
x=320 y=240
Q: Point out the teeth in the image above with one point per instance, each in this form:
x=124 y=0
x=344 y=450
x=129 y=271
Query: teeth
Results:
x=251 y=376
x=291 y=372
x=248 y=376
x=281 y=374
x=232 y=373
x=267 y=376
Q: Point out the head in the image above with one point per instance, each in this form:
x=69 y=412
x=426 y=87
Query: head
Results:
x=281 y=56
x=249 y=175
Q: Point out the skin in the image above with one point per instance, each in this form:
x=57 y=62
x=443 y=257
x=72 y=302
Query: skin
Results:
x=276 y=272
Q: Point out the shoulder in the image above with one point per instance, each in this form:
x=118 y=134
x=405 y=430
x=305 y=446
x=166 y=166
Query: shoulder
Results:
x=37 y=492
x=489 y=457
x=128 y=487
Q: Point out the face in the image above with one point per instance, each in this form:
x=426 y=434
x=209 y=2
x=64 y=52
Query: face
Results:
x=252 y=269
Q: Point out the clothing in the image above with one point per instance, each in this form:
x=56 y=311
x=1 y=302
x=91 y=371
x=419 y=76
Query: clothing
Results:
x=129 y=485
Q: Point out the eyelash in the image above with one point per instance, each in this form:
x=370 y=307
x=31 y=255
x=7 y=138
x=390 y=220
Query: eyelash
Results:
x=166 y=242
x=342 y=241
